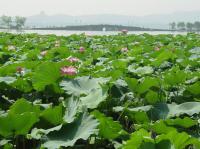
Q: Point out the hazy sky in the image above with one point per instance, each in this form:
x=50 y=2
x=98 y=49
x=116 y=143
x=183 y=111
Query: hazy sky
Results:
x=82 y=7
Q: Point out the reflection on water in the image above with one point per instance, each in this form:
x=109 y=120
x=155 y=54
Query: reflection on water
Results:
x=66 y=33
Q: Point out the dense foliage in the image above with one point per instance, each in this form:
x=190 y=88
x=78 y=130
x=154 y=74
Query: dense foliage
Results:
x=124 y=91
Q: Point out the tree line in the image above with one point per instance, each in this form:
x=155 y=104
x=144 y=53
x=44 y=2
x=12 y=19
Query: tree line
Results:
x=183 y=26
x=99 y=27
x=9 y=22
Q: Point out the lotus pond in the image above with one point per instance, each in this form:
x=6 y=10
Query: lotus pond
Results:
x=99 y=92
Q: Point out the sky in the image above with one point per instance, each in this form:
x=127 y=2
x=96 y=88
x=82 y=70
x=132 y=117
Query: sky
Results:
x=90 y=7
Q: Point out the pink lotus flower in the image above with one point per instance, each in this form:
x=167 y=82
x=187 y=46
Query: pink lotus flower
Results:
x=72 y=59
x=19 y=69
x=124 y=50
x=68 y=70
x=81 y=49
x=124 y=31
x=43 y=53
x=157 y=48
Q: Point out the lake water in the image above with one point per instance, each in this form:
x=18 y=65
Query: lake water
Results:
x=67 y=33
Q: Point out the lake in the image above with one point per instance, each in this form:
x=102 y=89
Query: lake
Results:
x=67 y=33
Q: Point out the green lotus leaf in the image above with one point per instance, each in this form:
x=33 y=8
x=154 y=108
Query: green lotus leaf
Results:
x=185 y=122
x=138 y=114
x=175 y=76
x=39 y=133
x=163 y=111
x=108 y=129
x=22 y=85
x=137 y=139
x=22 y=105
x=195 y=50
x=67 y=136
x=194 y=88
x=4 y=142
x=95 y=97
x=147 y=84
x=53 y=115
x=10 y=68
x=45 y=74
x=72 y=106
x=179 y=140
x=19 y=119
x=7 y=80
x=82 y=85
x=160 y=127
x=141 y=70
x=152 y=97
x=164 y=56
x=136 y=109
x=17 y=124
x=132 y=83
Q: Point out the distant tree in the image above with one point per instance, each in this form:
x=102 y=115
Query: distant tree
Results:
x=6 y=21
x=172 y=26
x=197 y=25
x=189 y=26
x=181 y=25
x=19 y=22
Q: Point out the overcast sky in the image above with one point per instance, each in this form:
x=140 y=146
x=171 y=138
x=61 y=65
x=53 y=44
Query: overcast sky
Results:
x=83 y=7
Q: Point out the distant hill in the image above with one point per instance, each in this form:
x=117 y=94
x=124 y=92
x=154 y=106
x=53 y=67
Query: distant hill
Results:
x=150 y=21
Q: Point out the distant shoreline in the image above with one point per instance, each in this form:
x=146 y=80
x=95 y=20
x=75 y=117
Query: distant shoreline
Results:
x=100 y=27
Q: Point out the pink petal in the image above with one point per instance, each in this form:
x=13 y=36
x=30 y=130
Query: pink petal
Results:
x=68 y=70
x=81 y=49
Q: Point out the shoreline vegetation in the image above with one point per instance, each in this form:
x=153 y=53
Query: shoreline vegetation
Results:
x=19 y=23
x=100 y=27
